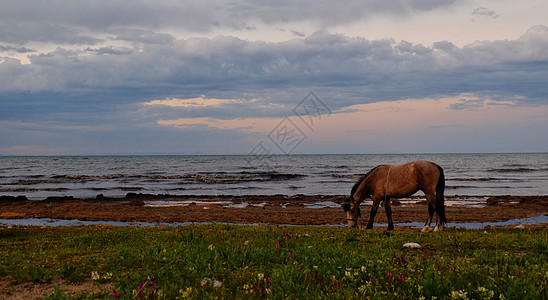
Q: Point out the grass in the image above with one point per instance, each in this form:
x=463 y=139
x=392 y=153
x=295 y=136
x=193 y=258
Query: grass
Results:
x=230 y=261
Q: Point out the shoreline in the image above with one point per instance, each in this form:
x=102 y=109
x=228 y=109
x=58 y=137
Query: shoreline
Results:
x=260 y=209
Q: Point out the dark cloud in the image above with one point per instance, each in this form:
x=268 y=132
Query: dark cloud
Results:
x=21 y=33
x=362 y=70
x=484 y=12
x=15 y=49
x=55 y=20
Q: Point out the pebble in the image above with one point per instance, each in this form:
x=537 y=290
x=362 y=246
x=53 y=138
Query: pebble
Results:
x=411 y=245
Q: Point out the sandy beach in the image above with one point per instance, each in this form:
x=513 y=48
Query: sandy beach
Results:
x=268 y=210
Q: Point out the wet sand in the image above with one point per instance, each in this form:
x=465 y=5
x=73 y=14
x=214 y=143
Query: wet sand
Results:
x=269 y=210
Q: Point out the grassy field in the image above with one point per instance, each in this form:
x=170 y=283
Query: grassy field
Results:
x=229 y=261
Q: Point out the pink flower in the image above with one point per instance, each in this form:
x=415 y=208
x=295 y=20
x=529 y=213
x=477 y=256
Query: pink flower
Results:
x=307 y=276
x=115 y=294
x=267 y=279
x=401 y=277
x=389 y=274
x=291 y=255
x=277 y=245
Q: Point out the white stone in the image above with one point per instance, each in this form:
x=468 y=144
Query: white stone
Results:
x=411 y=245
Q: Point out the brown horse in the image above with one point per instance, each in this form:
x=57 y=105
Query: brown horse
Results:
x=396 y=181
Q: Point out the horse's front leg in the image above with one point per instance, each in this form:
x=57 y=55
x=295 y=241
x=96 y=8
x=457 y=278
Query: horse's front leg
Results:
x=388 y=210
x=374 y=208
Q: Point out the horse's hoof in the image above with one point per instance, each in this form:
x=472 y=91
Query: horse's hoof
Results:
x=390 y=228
x=369 y=227
x=426 y=229
x=438 y=228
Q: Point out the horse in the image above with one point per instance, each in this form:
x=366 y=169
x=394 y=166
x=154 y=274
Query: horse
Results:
x=385 y=182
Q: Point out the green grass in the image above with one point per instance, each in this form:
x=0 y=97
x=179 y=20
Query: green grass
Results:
x=229 y=261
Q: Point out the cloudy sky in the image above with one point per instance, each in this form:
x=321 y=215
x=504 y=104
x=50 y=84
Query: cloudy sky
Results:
x=240 y=77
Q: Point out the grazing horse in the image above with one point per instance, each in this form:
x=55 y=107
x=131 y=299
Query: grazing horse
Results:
x=396 y=181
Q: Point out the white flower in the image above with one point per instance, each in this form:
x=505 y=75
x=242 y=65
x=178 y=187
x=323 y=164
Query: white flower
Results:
x=211 y=247
x=205 y=281
x=261 y=276
x=459 y=294
x=217 y=284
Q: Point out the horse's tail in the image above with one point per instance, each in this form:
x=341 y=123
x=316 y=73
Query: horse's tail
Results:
x=440 y=199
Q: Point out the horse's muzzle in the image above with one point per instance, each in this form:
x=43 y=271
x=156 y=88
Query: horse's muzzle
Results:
x=352 y=223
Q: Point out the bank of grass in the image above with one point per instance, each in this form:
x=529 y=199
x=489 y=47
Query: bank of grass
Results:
x=228 y=261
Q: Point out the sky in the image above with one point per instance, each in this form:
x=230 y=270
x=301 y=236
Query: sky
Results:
x=273 y=77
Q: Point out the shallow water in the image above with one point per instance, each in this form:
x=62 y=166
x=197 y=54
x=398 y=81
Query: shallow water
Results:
x=58 y=222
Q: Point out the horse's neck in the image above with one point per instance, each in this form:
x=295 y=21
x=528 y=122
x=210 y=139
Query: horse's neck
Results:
x=363 y=191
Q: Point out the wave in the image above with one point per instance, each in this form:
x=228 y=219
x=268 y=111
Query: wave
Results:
x=8 y=190
x=512 y=170
x=352 y=176
x=471 y=179
x=209 y=178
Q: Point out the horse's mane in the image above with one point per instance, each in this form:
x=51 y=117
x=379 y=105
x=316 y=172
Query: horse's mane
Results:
x=357 y=184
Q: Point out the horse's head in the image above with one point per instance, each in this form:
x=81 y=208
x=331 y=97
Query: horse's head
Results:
x=352 y=210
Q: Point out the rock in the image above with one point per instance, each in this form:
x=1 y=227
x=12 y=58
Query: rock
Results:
x=9 y=199
x=411 y=245
x=137 y=202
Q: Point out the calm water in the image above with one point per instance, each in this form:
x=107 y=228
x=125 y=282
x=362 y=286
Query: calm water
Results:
x=88 y=176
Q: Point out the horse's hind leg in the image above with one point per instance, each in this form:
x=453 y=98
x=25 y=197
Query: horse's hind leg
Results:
x=431 y=200
x=388 y=210
x=429 y=218
x=374 y=208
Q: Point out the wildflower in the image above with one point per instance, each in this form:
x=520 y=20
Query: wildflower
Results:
x=285 y=236
x=95 y=275
x=267 y=279
x=347 y=274
x=363 y=269
x=291 y=254
x=205 y=281
x=459 y=294
x=217 y=284
x=307 y=276
x=389 y=274
x=277 y=245
x=267 y=290
x=115 y=294
x=362 y=289
x=246 y=243
x=211 y=247
x=152 y=283
x=260 y=275
x=186 y=292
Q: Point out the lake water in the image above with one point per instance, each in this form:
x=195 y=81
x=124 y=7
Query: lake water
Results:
x=115 y=176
